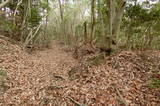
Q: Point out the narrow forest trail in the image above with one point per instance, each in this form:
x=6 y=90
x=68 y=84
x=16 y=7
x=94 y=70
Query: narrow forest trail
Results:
x=43 y=79
x=31 y=75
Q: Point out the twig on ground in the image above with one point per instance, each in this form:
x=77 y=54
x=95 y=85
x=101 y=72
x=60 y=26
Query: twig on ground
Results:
x=56 y=87
x=59 y=77
x=1 y=60
x=74 y=101
x=121 y=97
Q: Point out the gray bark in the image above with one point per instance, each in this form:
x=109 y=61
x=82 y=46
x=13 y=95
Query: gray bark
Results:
x=118 y=19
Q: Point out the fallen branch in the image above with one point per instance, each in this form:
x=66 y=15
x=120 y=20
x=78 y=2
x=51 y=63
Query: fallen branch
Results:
x=1 y=60
x=74 y=101
x=121 y=97
x=56 y=87
x=59 y=77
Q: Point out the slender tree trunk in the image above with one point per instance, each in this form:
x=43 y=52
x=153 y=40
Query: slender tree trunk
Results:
x=3 y=4
x=99 y=10
x=85 y=33
x=62 y=24
x=101 y=20
x=92 y=19
x=46 y=18
x=111 y=8
x=61 y=10
x=27 y=12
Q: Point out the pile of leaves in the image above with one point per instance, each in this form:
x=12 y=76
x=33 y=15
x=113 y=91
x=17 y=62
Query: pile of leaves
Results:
x=127 y=78
x=54 y=77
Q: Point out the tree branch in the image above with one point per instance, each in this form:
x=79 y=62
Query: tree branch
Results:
x=4 y=3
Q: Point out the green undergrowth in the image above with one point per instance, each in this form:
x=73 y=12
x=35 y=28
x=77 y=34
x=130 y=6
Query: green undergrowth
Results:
x=3 y=73
x=155 y=83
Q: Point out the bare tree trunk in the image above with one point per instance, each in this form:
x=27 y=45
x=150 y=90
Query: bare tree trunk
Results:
x=60 y=8
x=116 y=11
x=110 y=16
x=46 y=18
x=92 y=20
x=85 y=33
x=4 y=3
x=62 y=25
x=27 y=10
x=99 y=10
x=118 y=19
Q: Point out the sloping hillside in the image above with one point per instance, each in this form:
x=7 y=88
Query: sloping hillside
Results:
x=52 y=77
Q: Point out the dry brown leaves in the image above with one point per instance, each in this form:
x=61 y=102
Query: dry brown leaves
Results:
x=42 y=79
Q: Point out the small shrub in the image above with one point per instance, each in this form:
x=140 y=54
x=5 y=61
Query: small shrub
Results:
x=34 y=18
x=3 y=73
x=155 y=83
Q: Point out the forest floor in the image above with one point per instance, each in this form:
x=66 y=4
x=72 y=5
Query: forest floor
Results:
x=52 y=77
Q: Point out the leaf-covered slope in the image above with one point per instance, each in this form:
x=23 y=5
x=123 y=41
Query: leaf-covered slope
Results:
x=53 y=77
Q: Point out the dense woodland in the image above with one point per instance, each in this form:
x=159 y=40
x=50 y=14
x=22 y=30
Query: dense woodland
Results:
x=80 y=52
x=132 y=24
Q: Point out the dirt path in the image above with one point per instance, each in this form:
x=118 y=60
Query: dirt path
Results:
x=42 y=79
x=31 y=75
